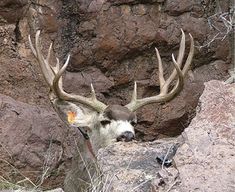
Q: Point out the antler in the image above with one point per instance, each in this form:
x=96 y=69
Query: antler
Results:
x=166 y=95
x=53 y=78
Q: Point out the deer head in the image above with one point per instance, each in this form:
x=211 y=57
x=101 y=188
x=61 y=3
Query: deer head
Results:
x=106 y=124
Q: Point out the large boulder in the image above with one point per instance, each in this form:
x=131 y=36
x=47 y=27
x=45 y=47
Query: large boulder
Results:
x=136 y=166
x=33 y=140
x=206 y=160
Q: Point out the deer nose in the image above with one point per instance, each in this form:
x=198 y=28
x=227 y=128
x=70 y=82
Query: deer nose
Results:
x=126 y=136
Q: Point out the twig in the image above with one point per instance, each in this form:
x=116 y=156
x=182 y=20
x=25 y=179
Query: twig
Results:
x=46 y=168
x=138 y=186
x=14 y=168
x=172 y=185
x=164 y=160
x=120 y=171
x=221 y=31
x=84 y=162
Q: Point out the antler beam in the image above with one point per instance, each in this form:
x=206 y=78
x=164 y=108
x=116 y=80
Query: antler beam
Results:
x=166 y=95
x=53 y=78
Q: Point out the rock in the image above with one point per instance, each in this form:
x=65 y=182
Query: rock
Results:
x=55 y=190
x=23 y=190
x=178 y=7
x=119 y=2
x=111 y=42
x=95 y=5
x=216 y=70
x=134 y=167
x=12 y=10
x=80 y=82
x=33 y=139
x=207 y=156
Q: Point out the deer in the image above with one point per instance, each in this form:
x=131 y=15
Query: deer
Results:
x=101 y=124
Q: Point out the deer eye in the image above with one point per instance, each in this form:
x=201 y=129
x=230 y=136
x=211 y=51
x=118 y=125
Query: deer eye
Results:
x=105 y=122
x=133 y=123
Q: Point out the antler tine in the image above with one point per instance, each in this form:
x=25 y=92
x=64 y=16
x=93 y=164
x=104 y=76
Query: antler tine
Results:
x=31 y=46
x=138 y=103
x=165 y=94
x=179 y=62
x=53 y=76
x=190 y=56
x=57 y=82
x=49 y=53
x=44 y=65
x=57 y=67
x=134 y=97
x=160 y=70
x=93 y=95
x=180 y=83
x=91 y=102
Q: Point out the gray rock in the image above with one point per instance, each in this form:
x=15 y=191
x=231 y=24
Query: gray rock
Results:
x=22 y=190
x=134 y=167
x=206 y=160
x=56 y=190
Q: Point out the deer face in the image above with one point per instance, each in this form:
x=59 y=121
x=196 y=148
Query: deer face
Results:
x=117 y=124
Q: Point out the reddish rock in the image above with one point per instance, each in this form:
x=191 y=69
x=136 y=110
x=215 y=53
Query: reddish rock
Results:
x=80 y=83
x=146 y=115
x=49 y=22
x=112 y=45
x=12 y=10
x=223 y=49
x=178 y=7
x=33 y=139
x=216 y=70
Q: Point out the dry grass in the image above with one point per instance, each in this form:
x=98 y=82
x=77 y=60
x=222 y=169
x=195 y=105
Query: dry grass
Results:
x=8 y=181
x=13 y=178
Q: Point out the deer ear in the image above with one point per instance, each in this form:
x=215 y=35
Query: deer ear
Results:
x=74 y=115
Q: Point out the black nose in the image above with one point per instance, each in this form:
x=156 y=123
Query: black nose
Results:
x=126 y=136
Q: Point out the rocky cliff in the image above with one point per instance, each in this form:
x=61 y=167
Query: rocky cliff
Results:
x=112 y=44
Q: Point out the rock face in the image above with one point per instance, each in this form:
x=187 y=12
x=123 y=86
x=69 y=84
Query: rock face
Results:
x=134 y=166
x=203 y=162
x=112 y=44
x=23 y=190
x=33 y=138
x=206 y=160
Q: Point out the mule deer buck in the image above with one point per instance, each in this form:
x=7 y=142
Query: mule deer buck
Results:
x=99 y=123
